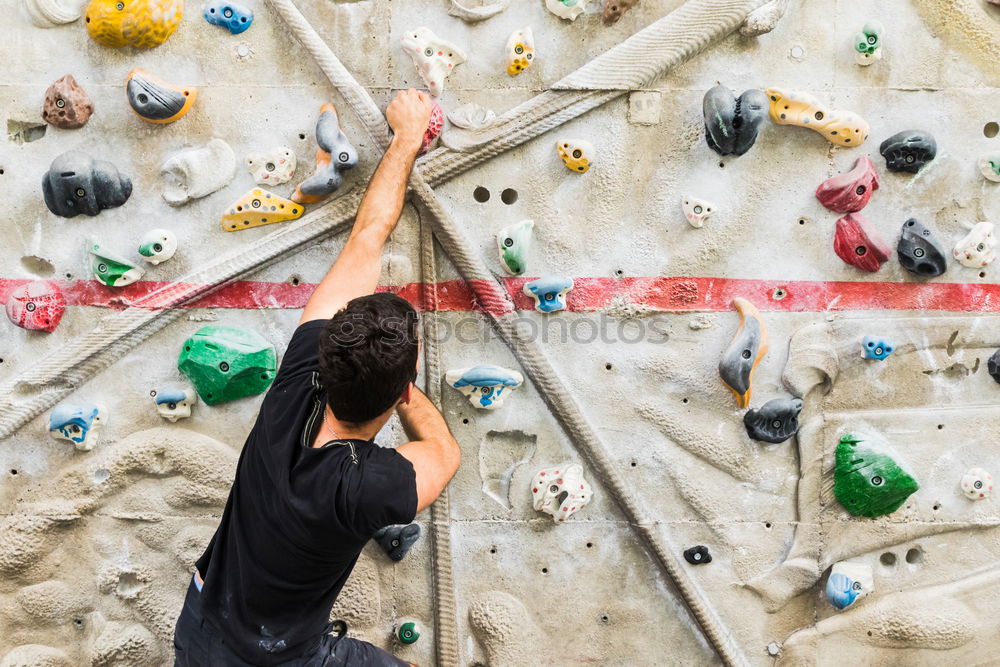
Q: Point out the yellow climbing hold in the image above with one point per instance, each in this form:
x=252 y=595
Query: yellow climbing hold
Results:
x=260 y=207
x=576 y=154
x=139 y=23
x=844 y=128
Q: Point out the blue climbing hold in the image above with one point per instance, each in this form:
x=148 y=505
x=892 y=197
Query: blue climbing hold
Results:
x=876 y=347
x=485 y=386
x=549 y=293
x=231 y=16
x=77 y=423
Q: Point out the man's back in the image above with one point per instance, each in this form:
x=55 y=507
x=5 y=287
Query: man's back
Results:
x=297 y=517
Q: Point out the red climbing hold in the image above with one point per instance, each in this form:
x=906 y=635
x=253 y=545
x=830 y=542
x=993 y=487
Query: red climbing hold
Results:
x=857 y=243
x=850 y=191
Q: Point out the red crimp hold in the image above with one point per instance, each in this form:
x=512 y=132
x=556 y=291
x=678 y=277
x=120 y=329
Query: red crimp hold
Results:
x=37 y=306
x=433 y=127
x=850 y=191
x=858 y=244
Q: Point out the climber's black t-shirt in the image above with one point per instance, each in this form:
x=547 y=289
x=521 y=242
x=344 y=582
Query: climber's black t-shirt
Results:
x=297 y=517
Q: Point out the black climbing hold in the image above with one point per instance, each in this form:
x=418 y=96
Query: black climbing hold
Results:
x=993 y=366
x=731 y=123
x=397 y=540
x=908 y=150
x=775 y=421
x=698 y=555
x=76 y=184
x=919 y=252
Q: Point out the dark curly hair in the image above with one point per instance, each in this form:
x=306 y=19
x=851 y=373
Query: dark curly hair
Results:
x=367 y=356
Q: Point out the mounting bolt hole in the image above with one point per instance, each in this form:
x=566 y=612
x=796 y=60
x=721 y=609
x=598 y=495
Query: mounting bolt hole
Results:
x=481 y=194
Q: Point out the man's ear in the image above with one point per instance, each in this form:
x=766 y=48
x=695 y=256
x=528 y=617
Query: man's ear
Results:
x=407 y=393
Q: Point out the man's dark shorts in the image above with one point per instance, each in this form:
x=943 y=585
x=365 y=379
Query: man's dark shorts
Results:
x=198 y=644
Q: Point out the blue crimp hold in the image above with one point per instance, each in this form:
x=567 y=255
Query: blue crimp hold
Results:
x=231 y=16
x=549 y=293
x=877 y=347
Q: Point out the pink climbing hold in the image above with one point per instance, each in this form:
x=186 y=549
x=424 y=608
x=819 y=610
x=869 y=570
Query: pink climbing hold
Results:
x=433 y=127
x=849 y=192
x=36 y=306
x=857 y=243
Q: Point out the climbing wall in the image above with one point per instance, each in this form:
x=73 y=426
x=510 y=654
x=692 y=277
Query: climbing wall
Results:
x=816 y=556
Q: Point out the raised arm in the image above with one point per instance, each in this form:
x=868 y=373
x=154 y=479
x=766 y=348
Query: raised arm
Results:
x=433 y=451
x=356 y=271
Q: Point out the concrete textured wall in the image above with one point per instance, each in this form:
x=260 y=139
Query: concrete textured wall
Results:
x=96 y=548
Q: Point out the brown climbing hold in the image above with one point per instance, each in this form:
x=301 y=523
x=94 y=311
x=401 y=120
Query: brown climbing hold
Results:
x=66 y=104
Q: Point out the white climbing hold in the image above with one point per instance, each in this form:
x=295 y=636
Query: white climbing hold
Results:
x=565 y=9
x=476 y=14
x=158 y=245
x=697 y=211
x=977 y=484
x=561 y=491
x=197 y=172
x=471 y=116
x=433 y=57
x=173 y=404
x=273 y=166
x=976 y=249
x=764 y=19
x=486 y=386
x=51 y=13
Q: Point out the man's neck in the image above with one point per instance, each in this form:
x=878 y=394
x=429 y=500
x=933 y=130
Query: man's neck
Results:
x=332 y=428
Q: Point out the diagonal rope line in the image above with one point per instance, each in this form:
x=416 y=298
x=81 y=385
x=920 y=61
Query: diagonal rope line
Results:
x=672 y=39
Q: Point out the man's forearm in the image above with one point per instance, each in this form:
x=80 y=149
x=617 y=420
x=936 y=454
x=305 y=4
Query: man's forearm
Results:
x=383 y=201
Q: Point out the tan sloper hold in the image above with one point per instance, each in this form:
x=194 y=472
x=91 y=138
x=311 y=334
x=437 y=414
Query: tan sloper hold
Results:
x=844 y=128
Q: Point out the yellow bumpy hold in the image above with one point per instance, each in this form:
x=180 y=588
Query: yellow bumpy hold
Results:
x=139 y=23
x=259 y=207
x=844 y=128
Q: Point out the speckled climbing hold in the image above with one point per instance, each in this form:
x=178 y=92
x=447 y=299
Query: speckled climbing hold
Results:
x=993 y=366
x=334 y=155
x=112 y=269
x=396 y=540
x=259 y=207
x=79 y=424
x=867 y=481
x=908 y=150
x=486 y=386
x=775 y=421
x=198 y=172
x=272 y=167
x=868 y=43
x=66 y=105
x=52 y=13
x=156 y=100
x=919 y=251
x=849 y=192
x=173 y=403
x=433 y=57
x=513 y=243
x=696 y=210
x=520 y=51
x=36 y=306
x=746 y=350
x=848 y=583
x=549 y=293
x=565 y=9
x=225 y=363
x=434 y=127
x=576 y=154
x=158 y=245
x=698 y=555
x=143 y=24
x=976 y=249
x=877 y=347
x=732 y=123
x=989 y=167
x=561 y=491
x=844 y=128
x=977 y=484
x=229 y=15
x=408 y=631
x=857 y=243
x=75 y=183
x=614 y=9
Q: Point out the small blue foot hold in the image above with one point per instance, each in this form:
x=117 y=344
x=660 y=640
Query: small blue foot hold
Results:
x=231 y=16
x=549 y=293
x=877 y=347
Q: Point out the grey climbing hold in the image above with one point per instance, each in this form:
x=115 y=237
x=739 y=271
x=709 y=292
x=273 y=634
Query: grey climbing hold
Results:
x=919 y=252
x=75 y=183
x=993 y=366
x=698 y=555
x=775 y=421
x=732 y=123
x=908 y=151
x=397 y=540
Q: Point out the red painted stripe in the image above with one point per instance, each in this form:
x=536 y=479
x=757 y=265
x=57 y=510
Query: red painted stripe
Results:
x=664 y=294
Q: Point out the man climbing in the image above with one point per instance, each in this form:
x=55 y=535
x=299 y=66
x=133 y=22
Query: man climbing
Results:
x=311 y=487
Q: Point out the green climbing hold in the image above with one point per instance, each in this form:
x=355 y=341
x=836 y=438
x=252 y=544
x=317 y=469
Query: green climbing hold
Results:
x=408 y=632
x=112 y=269
x=870 y=38
x=513 y=242
x=225 y=363
x=867 y=481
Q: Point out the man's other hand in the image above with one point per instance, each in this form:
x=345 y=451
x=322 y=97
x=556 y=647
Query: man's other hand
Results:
x=408 y=115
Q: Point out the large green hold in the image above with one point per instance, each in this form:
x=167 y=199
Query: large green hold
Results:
x=225 y=363
x=869 y=482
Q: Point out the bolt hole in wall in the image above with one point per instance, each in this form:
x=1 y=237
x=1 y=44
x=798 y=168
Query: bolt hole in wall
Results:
x=605 y=619
x=914 y=556
x=302 y=136
x=545 y=570
x=465 y=421
x=13 y=471
x=633 y=463
x=991 y=129
x=888 y=559
x=607 y=366
x=481 y=194
x=493 y=550
x=590 y=545
x=940 y=427
x=295 y=280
